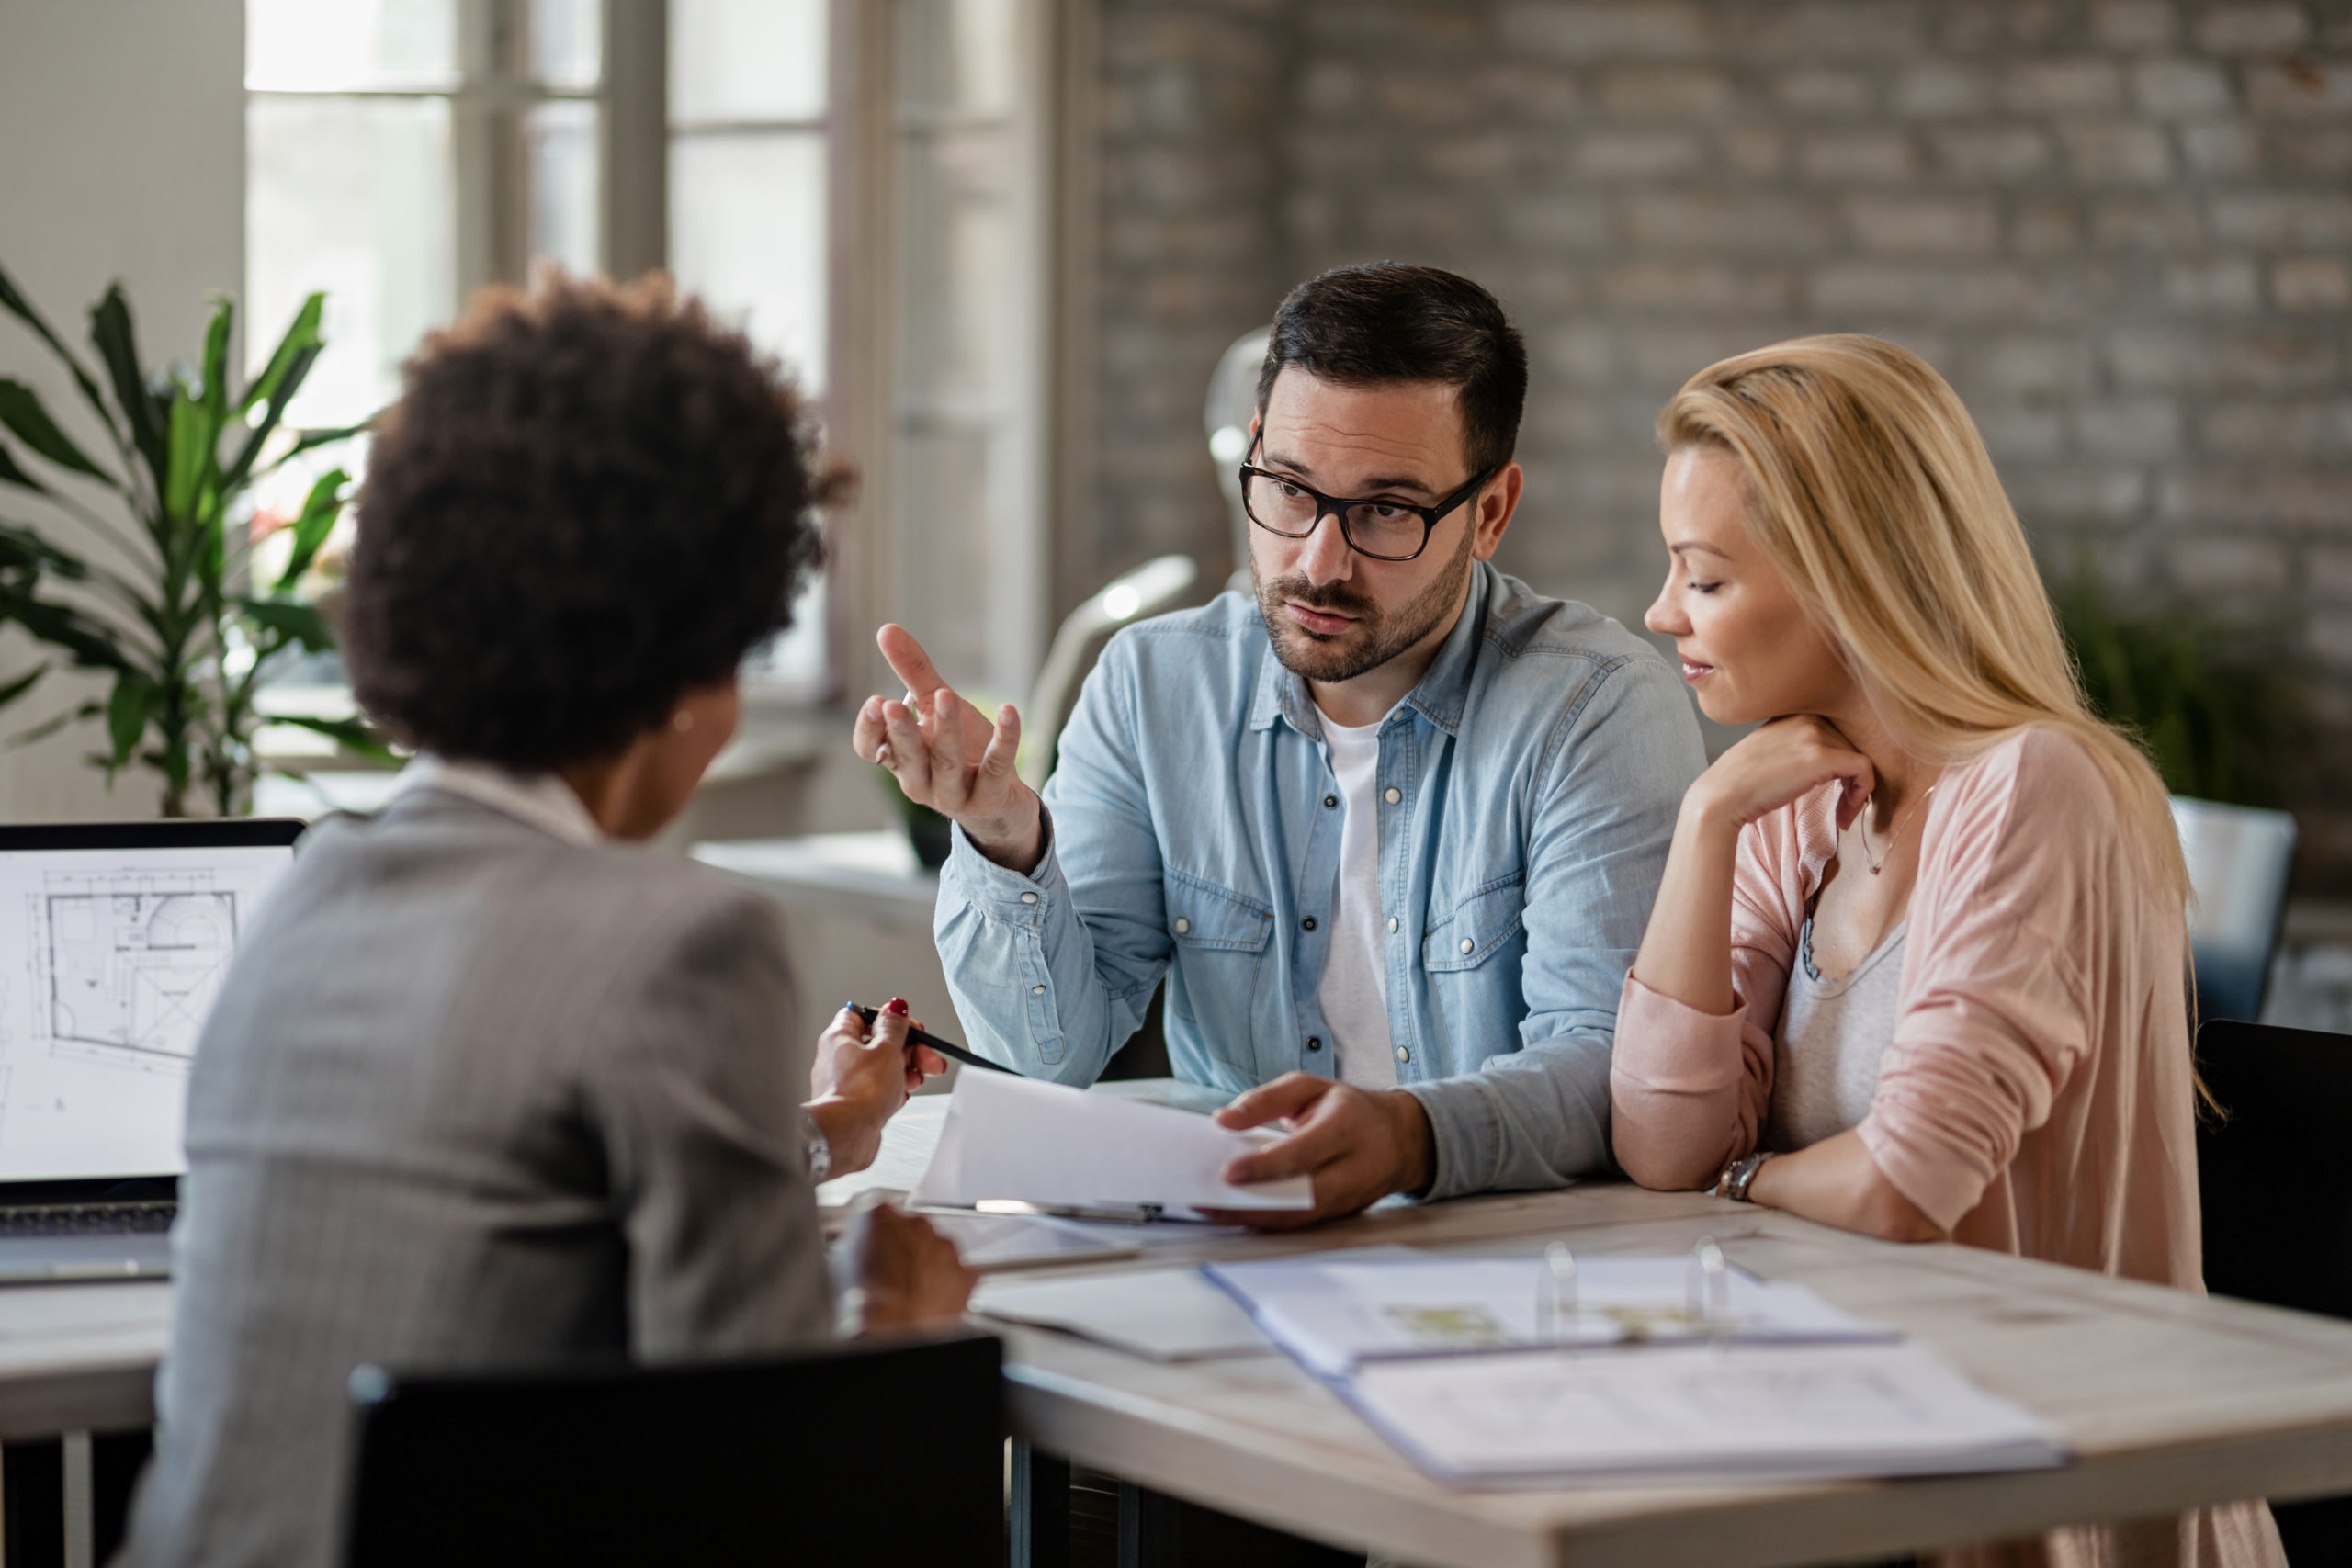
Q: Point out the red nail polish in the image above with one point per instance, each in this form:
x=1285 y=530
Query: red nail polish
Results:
x=897 y=1005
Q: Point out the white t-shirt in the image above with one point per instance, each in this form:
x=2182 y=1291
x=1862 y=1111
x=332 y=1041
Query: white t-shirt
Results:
x=1354 y=991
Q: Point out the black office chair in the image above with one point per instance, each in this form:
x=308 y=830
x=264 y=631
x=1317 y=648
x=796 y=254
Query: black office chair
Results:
x=2278 y=1224
x=881 y=1455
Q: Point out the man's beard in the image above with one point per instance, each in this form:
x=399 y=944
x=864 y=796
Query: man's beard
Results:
x=1379 y=635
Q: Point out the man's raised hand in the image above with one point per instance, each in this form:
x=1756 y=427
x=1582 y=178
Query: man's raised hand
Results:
x=947 y=755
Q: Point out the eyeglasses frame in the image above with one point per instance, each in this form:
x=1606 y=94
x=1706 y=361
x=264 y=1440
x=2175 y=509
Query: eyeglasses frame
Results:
x=1335 y=507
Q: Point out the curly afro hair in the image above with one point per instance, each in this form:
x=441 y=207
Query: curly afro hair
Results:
x=590 y=499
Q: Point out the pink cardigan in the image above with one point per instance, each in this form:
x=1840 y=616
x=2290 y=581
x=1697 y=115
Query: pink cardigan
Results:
x=2037 y=1097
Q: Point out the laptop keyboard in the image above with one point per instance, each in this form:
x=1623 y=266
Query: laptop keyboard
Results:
x=86 y=1219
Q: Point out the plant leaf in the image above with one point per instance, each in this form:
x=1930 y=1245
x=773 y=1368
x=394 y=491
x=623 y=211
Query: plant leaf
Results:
x=292 y=620
x=23 y=549
x=186 y=462
x=320 y=509
x=12 y=690
x=50 y=726
x=21 y=411
x=16 y=305
x=128 y=707
x=216 y=360
x=93 y=643
x=311 y=440
x=10 y=473
x=290 y=366
x=276 y=409
x=351 y=734
x=118 y=347
x=302 y=334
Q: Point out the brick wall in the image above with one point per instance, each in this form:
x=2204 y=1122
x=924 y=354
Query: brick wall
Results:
x=2123 y=230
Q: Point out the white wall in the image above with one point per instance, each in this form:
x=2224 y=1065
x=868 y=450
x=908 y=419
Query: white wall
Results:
x=122 y=155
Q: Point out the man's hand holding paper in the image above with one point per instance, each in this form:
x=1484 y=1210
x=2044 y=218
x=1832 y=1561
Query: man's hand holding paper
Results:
x=1354 y=1146
x=1052 y=1145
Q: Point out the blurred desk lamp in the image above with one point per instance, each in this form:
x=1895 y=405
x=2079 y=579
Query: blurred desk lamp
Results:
x=1232 y=404
x=1149 y=587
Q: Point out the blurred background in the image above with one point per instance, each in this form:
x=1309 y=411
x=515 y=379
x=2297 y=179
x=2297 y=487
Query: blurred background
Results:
x=1009 y=242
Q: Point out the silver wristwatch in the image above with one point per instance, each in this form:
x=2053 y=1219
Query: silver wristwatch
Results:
x=821 y=1156
x=1739 y=1175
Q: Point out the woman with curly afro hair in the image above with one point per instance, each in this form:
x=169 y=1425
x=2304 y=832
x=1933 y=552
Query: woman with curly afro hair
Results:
x=491 y=1082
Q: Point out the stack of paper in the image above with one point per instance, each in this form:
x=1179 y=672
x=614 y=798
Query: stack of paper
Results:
x=1049 y=1145
x=1337 y=1310
x=1484 y=1374
x=1695 y=1413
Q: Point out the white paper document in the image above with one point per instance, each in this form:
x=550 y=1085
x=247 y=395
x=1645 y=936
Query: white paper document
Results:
x=1694 y=1413
x=1335 y=1311
x=1048 y=1143
x=989 y=1242
x=1166 y=1315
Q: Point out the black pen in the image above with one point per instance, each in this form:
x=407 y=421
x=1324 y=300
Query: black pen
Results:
x=924 y=1037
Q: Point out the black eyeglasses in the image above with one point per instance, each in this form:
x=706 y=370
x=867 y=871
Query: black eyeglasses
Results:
x=1384 y=530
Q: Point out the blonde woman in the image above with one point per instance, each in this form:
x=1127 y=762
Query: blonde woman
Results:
x=1917 y=966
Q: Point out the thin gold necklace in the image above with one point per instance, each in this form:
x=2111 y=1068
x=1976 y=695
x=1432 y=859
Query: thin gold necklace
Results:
x=1893 y=832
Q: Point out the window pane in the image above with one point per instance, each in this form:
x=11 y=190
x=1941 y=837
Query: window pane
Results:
x=308 y=46
x=793 y=664
x=746 y=60
x=747 y=233
x=957 y=57
x=352 y=197
x=564 y=186
x=568 y=43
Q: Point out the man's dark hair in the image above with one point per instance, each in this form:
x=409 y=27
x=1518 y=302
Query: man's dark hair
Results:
x=590 y=499
x=1384 y=321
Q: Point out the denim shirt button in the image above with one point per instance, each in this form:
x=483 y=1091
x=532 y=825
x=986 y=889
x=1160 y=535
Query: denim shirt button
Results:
x=1404 y=1054
x=1028 y=898
x=1183 y=925
x=1391 y=922
x=1468 y=947
x=1314 y=1042
x=1307 y=924
x=1037 y=990
x=1392 y=795
x=1330 y=802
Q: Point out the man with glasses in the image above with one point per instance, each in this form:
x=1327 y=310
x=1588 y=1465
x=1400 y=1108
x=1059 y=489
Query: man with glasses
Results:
x=1390 y=827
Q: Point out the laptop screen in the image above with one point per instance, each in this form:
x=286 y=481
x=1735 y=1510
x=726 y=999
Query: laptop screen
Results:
x=121 y=934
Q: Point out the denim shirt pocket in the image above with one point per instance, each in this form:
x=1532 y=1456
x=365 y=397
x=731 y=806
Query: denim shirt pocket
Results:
x=1481 y=925
x=1220 y=937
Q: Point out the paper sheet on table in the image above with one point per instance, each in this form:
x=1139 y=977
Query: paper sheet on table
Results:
x=987 y=1242
x=1042 y=1143
x=1336 y=1310
x=1695 y=1413
x=1167 y=1315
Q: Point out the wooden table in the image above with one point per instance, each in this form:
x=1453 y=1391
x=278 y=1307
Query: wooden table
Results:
x=2171 y=1400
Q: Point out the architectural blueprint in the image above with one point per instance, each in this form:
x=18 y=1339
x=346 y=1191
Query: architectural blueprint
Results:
x=132 y=960
x=109 y=963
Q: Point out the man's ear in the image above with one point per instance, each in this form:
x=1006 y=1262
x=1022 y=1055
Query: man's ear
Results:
x=1497 y=503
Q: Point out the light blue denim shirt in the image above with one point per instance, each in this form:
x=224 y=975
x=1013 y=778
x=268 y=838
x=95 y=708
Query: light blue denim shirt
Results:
x=1528 y=786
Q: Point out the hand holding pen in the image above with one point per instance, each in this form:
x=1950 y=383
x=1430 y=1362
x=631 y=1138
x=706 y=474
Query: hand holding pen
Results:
x=865 y=1069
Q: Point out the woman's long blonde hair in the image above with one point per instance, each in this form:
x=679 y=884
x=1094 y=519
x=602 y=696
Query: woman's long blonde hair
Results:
x=1873 y=494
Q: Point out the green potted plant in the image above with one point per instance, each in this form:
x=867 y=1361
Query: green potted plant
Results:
x=2213 y=711
x=168 y=597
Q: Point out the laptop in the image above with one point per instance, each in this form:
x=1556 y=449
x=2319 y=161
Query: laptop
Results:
x=114 y=940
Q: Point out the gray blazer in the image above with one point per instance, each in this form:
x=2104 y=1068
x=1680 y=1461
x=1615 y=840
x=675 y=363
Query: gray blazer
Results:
x=470 y=1097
